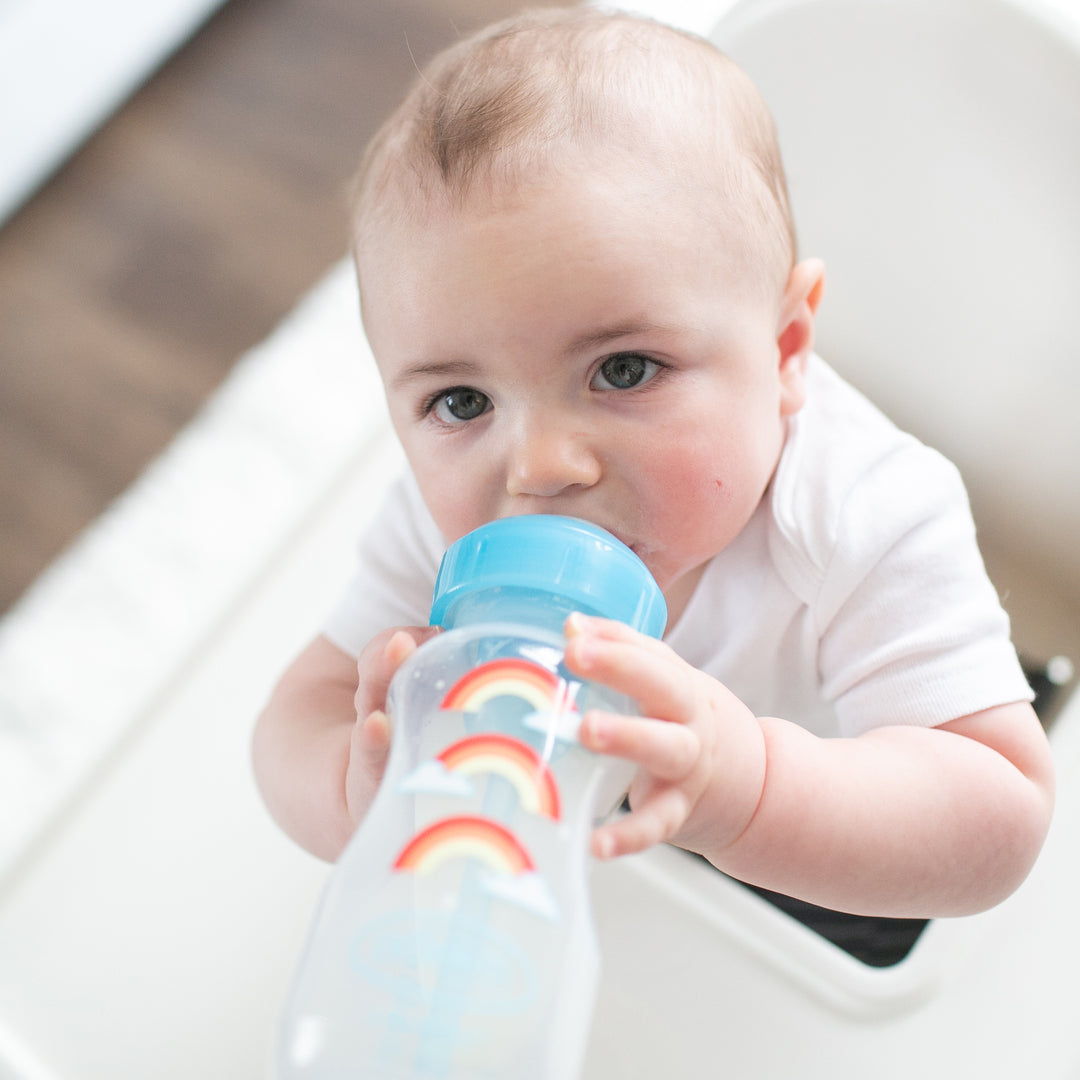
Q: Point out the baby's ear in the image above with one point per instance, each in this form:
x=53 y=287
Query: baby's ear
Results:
x=795 y=330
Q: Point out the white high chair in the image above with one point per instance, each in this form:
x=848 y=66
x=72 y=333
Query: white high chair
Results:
x=933 y=153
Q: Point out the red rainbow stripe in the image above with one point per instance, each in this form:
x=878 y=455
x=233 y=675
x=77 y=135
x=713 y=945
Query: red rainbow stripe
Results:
x=512 y=759
x=542 y=689
x=463 y=837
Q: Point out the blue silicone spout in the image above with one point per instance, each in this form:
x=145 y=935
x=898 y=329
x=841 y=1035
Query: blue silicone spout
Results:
x=575 y=563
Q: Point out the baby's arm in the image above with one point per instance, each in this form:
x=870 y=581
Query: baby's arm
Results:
x=901 y=821
x=321 y=743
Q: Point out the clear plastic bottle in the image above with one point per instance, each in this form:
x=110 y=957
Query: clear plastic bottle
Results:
x=455 y=939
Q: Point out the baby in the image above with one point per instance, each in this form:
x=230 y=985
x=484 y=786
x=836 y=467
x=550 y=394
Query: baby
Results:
x=579 y=280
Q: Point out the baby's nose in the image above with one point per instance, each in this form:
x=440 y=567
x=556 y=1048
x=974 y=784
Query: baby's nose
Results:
x=547 y=458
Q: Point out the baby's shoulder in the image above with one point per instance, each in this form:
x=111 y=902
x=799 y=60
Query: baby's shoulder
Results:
x=849 y=484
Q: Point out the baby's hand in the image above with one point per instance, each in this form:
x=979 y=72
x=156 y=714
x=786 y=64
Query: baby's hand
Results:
x=700 y=750
x=369 y=745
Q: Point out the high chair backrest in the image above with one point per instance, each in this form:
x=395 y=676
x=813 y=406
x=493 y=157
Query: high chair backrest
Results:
x=933 y=152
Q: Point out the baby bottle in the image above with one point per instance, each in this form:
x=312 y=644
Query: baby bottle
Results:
x=455 y=938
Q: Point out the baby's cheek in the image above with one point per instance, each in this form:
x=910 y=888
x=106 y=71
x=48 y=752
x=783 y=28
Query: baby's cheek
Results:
x=693 y=481
x=451 y=501
x=700 y=501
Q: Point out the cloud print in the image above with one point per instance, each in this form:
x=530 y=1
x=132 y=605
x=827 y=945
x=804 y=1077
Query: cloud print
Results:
x=562 y=725
x=433 y=778
x=528 y=891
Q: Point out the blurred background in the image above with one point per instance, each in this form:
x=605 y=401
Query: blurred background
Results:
x=172 y=182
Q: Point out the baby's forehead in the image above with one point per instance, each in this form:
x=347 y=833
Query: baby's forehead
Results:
x=664 y=165
x=607 y=217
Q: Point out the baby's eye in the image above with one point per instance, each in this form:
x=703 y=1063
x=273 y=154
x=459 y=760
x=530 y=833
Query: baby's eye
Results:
x=624 y=371
x=460 y=404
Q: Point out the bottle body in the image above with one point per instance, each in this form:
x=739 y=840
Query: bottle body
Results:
x=455 y=939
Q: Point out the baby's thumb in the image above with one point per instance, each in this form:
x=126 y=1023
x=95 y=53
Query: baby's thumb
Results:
x=378 y=664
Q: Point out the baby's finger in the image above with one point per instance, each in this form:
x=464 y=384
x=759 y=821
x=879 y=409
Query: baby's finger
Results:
x=373 y=736
x=402 y=644
x=668 y=751
x=654 y=676
x=591 y=626
x=659 y=817
x=368 y=752
x=375 y=675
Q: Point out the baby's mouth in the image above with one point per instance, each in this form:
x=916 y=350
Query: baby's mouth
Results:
x=638 y=548
x=620 y=536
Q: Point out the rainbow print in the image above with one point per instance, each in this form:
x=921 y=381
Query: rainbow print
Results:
x=511 y=759
x=461 y=838
x=540 y=688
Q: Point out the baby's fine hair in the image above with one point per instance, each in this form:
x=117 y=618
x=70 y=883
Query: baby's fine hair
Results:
x=497 y=107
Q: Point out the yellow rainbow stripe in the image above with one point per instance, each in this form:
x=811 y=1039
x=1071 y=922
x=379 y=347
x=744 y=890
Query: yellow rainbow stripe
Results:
x=542 y=689
x=465 y=837
x=511 y=759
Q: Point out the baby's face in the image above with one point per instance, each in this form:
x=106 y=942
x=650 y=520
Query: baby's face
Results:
x=584 y=349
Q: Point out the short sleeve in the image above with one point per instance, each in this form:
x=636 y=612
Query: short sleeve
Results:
x=911 y=629
x=398 y=560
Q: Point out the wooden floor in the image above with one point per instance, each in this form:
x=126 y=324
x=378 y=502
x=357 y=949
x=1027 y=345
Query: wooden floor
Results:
x=178 y=237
